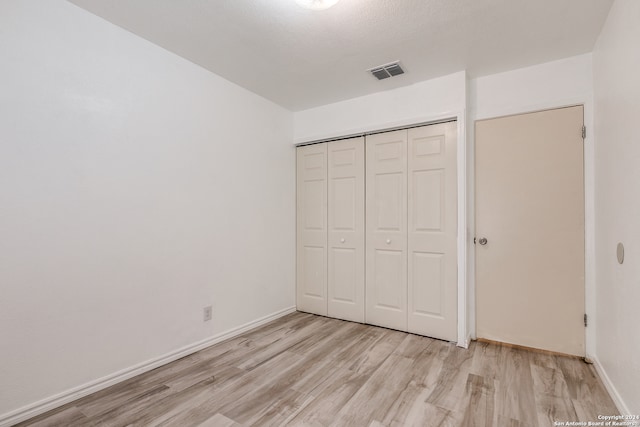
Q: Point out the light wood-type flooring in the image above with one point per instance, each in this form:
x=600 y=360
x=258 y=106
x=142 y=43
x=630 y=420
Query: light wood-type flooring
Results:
x=310 y=370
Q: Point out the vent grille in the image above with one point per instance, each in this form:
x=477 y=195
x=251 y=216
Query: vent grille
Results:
x=380 y=73
x=385 y=71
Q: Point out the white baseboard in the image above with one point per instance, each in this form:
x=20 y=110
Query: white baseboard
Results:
x=613 y=392
x=42 y=406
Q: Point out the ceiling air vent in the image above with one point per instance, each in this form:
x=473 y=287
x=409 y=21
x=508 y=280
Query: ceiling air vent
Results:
x=385 y=71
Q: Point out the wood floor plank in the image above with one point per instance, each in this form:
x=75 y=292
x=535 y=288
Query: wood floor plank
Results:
x=379 y=349
x=317 y=359
x=514 y=387
x=139 y=386
x=553 y=402
x=243 y=389
x=584 y=384
x=429 y=415
x=142 y=411
x=370 y=402
x=544 y=359
x=451 y=382
x=409 y=407
x=330 y=398
x=283 y=410
x=69 y=416
x=510 y=422
x=275 y=412
x=219 y=420
x=307 y=370
x=410 y=404
x=586 y=390
x=485 y=359
x=478 y=403
x=274 y=348
x=393 y=375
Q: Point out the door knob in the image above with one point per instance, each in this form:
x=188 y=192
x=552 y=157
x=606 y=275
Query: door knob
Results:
x=342 y=240
x=483 y=241
x=388 y=241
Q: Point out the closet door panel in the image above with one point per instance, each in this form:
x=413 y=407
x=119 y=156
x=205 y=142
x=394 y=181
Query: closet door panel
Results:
x=386 y=238
x=432 y=231
x=311 y=277
x=346 y=229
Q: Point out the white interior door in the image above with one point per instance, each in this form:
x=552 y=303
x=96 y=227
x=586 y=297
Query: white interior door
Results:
x=346 y=229
x=432 y=231
x=386 y=236
x=311 y=276
x=530 y=210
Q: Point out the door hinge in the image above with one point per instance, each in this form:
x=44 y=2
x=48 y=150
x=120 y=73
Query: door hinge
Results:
x=585 y=320
x=584 y=132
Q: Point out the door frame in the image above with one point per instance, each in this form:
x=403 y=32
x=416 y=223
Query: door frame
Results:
x=464 y=236
x=589 y=208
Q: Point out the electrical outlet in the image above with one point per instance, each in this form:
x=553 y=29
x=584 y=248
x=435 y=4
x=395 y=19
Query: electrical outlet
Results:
x=207 y=313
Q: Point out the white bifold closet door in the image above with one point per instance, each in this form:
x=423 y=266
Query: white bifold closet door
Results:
x=432 y=234
x=346 y=229
x=330 y=230
x=386 y=259
x=311 y=244
x=396 y=191
x=411 y=259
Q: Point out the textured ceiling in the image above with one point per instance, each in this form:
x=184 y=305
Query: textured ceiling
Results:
x=300 y=58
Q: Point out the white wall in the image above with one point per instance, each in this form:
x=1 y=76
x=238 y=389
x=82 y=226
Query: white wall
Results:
x=135 y=189
x=617 y=109
x=441 y=97
x=549 y=85
x=554 y=84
